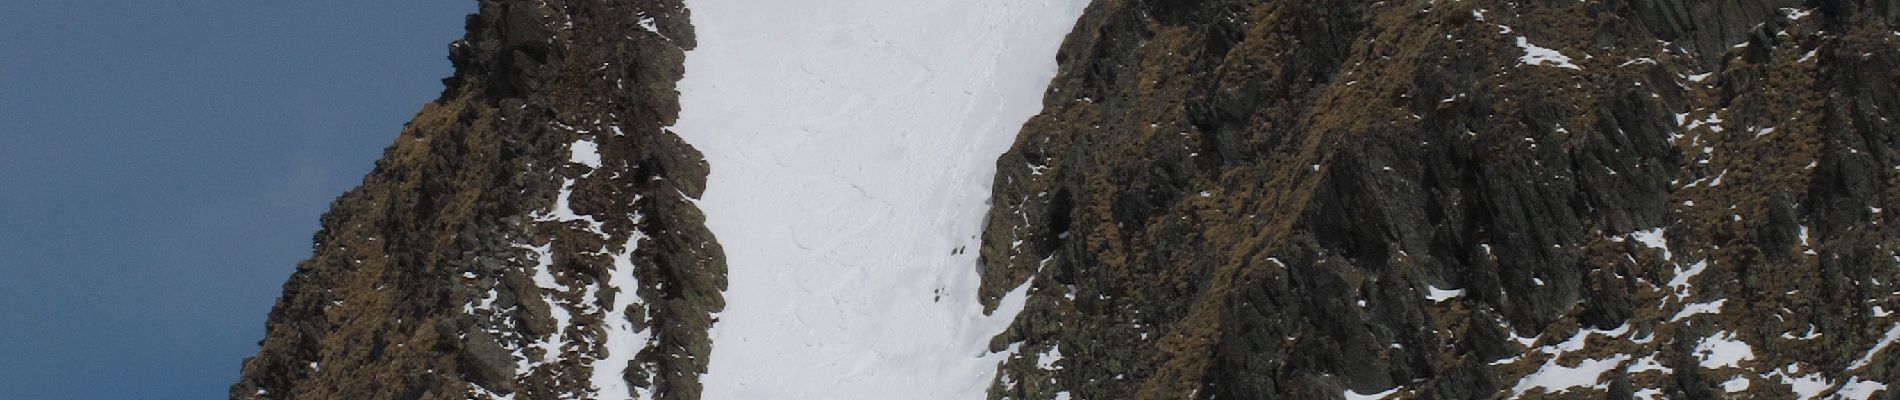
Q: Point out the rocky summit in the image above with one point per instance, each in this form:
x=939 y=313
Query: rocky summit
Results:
x=1216 y=199
x=534 y=216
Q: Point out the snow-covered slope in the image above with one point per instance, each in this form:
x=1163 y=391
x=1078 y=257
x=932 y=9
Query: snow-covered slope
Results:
x=852 y=145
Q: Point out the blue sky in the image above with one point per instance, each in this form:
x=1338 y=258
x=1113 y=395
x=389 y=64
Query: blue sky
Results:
x=162 y=168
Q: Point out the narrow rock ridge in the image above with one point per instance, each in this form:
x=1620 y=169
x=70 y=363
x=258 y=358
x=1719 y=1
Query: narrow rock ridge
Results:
x=531 y=234
x=1647 y=199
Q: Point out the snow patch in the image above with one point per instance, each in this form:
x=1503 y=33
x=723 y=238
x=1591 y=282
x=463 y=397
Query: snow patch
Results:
x=647 y=23
x=1352 y=395
x=1556 y=378
x=1047 y=360
x=1856 y=389
x=1692 y=309
x=1723 y=350
x=584 y=152
x=1679 y=283
x=563 y=210
x=1805 y=387
x=1649 y=363
x=1653 y=238
x=1648 y=394
x=623 y=340
x=1534 y=55
x=1437 y=295
x=1886 y=340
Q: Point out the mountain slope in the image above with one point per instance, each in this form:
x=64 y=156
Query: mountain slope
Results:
x=531 y=234
x=1224 y=199
x=1456 y=199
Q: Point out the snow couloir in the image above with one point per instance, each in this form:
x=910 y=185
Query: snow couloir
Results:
x=852 y=146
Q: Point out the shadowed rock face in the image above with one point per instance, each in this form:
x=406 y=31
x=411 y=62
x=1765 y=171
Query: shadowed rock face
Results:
x=1456 y=199
x=533 y=209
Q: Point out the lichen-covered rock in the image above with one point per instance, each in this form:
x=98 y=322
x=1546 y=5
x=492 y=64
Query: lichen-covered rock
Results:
x=1242 y=199
x=531 y=234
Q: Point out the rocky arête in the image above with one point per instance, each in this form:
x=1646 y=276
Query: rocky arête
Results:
x=530 y=235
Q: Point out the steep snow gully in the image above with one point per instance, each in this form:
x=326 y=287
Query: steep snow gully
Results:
x=852 y=144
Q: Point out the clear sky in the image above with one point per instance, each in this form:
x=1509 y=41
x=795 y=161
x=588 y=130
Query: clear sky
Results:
x=162 y=168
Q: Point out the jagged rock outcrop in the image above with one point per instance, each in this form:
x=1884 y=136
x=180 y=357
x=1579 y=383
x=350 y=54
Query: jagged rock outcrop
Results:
x=530 y=235
x=1258 y=199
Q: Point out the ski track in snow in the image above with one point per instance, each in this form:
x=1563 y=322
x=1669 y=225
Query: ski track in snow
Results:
x=852 y=145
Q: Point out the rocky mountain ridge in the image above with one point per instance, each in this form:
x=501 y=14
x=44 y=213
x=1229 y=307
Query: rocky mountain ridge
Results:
x=534 y=216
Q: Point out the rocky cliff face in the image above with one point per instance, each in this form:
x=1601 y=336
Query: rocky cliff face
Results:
x=530 y=235
x=1243 y=199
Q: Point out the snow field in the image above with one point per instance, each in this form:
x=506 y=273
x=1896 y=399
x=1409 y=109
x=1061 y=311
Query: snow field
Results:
x=852 y=146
